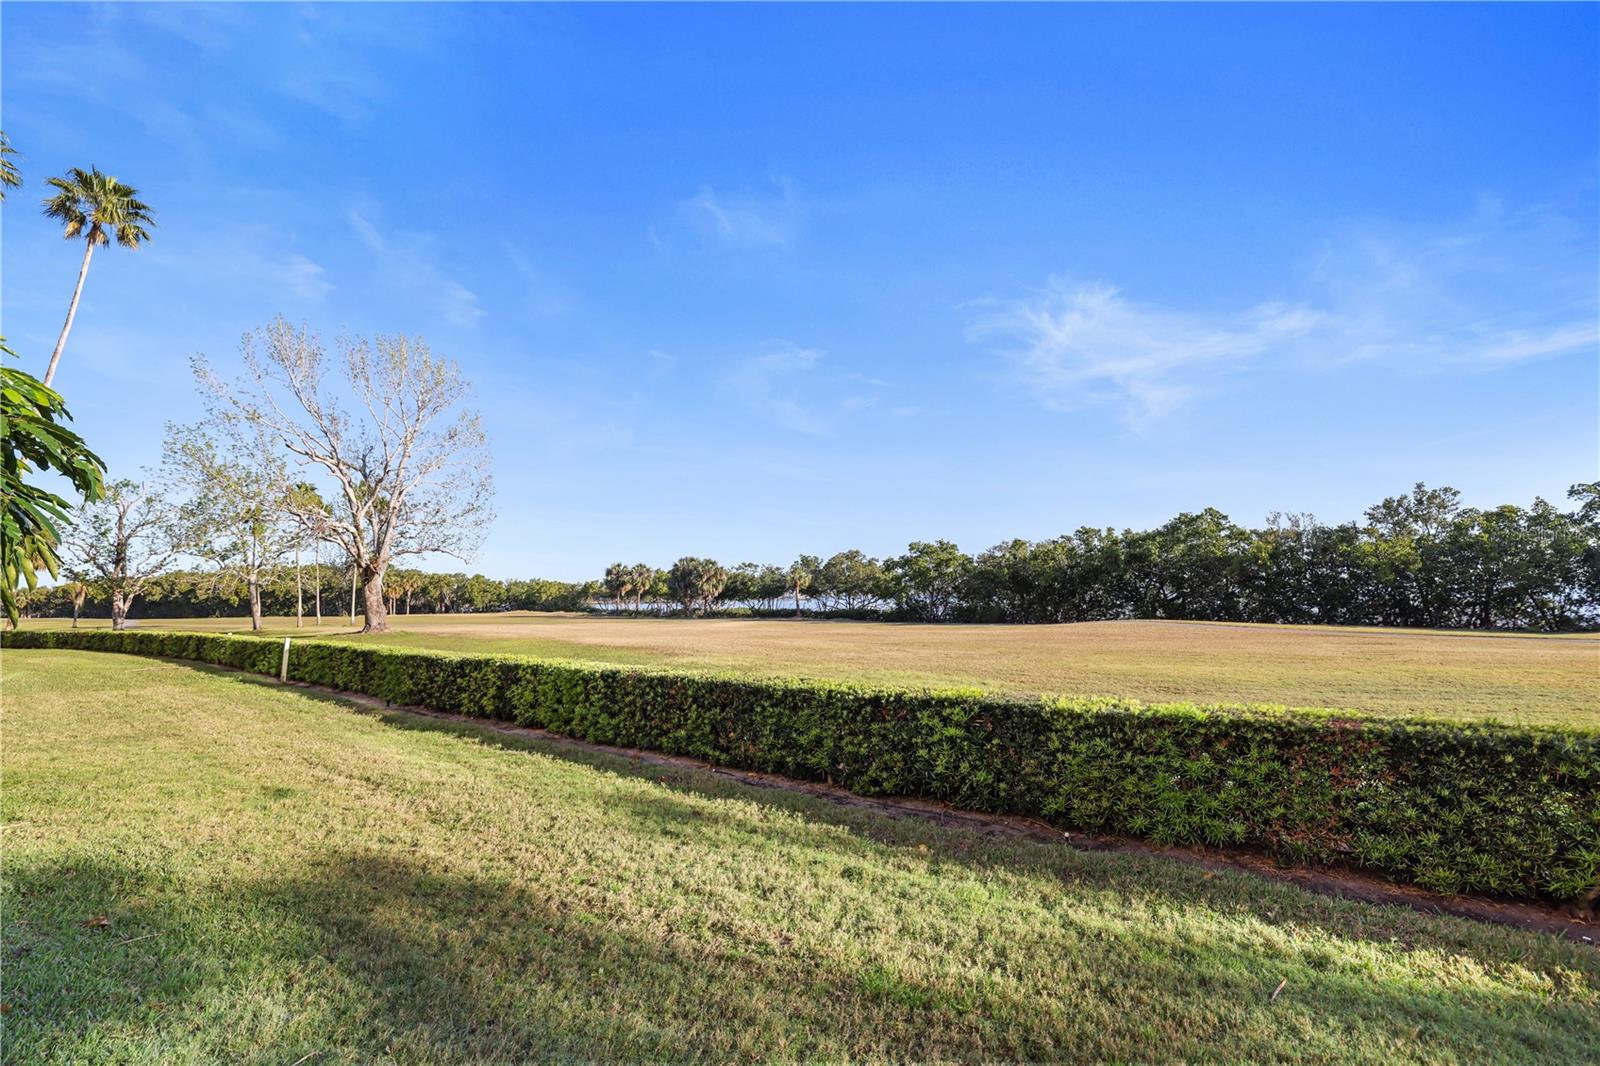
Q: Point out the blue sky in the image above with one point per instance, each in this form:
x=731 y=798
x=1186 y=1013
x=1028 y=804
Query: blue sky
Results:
x=755 y=281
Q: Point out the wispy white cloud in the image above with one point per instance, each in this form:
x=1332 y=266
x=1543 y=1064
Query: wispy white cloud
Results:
x=1075 y=345
x=209 y=27
x=1498 y=291
x=156 y=95
x=784 y=383
x=333 y=69
x=745 y=219
x=403 y=264
x=253 y=255
x=543 y=294
x=349 y=96
x=303 y=277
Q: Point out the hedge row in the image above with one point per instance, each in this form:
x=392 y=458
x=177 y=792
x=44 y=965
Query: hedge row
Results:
x=1452 y=807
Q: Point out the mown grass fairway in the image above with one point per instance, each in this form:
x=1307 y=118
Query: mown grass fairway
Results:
x=1522 y=679
x=204 y=867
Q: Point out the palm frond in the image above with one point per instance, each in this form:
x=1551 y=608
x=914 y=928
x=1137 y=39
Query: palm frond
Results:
x=90 y=203
x=10 y=176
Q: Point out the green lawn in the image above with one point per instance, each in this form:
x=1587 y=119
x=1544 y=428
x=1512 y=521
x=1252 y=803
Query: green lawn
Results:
x=202 y=867
x=1515 y=678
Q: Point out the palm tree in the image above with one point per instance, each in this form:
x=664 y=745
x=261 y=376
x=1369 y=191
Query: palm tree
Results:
x=10 y=176
x=77 y=592
x=96 y=207
x=643 y=576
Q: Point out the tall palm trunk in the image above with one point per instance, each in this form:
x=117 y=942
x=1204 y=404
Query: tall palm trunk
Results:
x=72 y=311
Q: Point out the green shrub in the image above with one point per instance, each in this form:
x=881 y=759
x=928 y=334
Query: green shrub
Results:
x=1513 y=810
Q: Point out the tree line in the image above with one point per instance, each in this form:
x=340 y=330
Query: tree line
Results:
x=316 y=593
x=1416 y=559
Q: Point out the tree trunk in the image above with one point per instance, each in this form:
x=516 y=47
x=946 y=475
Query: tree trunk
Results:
x=797 y=601
x=408 y=600
x=75 y=605
x=119 y=609
x=299 y=592
x=255 y=604
x=317 y=563
x=72 y=311
x=372 y=596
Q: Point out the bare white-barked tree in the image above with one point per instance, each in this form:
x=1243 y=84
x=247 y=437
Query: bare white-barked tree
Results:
x=403 y=469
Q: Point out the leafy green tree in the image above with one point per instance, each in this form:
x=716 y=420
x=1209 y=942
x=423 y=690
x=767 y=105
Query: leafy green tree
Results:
x=481 y=593
x=1406 y=547
x=1010 y=582
x=744 y=582
x=696 y=583
x=643 y=578
x=1586 y=529
x=619 y=583
x=772 y=583
x=1188 y=567
x=850 y=581
x=77 y=592
x=34 y=439
x=927 y=581
x=99 y=209
x=800 y=576
x=402 y=585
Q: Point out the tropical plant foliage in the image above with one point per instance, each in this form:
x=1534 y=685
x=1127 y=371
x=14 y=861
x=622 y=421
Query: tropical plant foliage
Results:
x=696 y=583
x=10 y=176
x=99 y=208
x=36 y=440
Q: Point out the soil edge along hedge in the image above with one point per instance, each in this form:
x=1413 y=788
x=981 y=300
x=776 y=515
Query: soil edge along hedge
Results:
x=1491 y=808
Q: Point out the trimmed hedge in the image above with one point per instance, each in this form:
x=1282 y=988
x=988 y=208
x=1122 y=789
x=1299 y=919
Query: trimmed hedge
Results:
x=1452 y=807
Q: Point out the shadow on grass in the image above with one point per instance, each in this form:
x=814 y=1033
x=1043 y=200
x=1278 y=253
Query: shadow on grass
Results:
x=1141 y=879
x=382 y=952
x=375 y=955
x=1138 y=877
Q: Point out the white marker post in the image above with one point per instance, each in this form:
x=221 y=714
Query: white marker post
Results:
x=283 y=667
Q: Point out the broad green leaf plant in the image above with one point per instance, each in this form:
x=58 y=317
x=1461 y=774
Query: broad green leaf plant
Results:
x=33 y=439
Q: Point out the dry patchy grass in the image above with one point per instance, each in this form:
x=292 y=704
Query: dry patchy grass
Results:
x=1523 y=679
